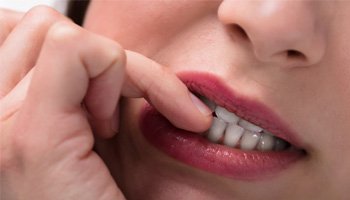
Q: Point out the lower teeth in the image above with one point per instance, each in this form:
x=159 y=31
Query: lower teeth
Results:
x=235 y=136
x=230 y=130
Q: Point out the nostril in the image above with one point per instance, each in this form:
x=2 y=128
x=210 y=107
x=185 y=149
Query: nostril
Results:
x=294 y=54
x=237 y=29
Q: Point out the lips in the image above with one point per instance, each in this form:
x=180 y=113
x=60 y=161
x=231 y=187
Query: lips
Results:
x=194 y=150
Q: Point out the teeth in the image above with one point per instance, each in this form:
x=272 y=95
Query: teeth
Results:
x=232 y=135
x=232 y=131
x=249 y=140
x=249 y=126
x=216 y=130
x=225 y=115
x=266 y=142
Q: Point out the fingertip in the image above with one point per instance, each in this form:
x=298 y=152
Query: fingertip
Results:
x=204 y=109
x=203 y=124
x=193 y=122
x=166 y=92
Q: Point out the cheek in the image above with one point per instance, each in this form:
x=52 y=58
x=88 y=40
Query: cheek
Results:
x=119 y=22
x=144 y=26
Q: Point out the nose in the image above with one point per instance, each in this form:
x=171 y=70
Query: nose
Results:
x=287 y=33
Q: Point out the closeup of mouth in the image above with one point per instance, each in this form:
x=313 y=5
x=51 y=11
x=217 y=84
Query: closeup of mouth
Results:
x=246 y=141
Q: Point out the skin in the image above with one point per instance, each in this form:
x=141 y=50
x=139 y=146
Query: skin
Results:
x=308 y=89
x=54 y=102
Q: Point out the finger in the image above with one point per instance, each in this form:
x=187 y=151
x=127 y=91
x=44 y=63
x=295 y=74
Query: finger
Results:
x=166 y=93
x=13 y=100
x=21 y=49
x=75 y=65
x=53 y=132
x=8 y=20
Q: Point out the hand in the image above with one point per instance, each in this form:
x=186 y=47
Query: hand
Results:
x=58 y=83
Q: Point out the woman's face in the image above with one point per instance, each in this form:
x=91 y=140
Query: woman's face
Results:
x=284 y=65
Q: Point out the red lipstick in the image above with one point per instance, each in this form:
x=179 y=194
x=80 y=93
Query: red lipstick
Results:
x=196 y=151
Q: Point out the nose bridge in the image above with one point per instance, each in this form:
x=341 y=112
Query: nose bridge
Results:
x=280 y=31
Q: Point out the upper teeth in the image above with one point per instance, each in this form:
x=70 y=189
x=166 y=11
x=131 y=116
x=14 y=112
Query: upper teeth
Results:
x=230 y=130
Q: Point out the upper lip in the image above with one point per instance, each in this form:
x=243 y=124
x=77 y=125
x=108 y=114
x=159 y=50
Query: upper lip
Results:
x=248 y=108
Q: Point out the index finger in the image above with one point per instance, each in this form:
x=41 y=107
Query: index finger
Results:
x=8 y=20
x=166 y=92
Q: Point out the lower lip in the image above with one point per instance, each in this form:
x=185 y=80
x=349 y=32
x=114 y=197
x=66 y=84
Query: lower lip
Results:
x=196 y=151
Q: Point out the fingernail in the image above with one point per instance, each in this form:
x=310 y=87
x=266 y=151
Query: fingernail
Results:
x=200 y=105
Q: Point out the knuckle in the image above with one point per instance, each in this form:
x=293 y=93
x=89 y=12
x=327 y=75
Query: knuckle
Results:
x=42 y=12
x=63 y=33
x=109 y=54
x=119 y=54
x=113 y=56
x=40 y=15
